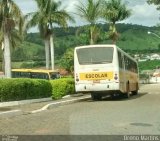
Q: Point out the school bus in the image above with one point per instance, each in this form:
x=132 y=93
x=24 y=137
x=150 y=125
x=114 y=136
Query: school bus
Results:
x=105 y=70
x=34 y=73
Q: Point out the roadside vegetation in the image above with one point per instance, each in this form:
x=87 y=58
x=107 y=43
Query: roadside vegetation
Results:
x=52 y=47
x=133 y=39
x=21 y=89
x=25 y=88
x=35 y=46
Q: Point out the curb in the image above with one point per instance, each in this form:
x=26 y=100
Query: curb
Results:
x=10 y=113
x=22 y=102
x=46 y=107
x=56 y=104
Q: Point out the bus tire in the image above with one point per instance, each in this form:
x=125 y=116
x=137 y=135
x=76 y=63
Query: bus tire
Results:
x=96 y=96
x=136 y=91
x=127 y=94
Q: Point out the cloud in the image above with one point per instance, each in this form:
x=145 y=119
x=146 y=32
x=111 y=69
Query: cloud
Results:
x=70 y=4
x=26 y=6
x=143 y=14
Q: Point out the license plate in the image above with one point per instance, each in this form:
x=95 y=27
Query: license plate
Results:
x=96 y=81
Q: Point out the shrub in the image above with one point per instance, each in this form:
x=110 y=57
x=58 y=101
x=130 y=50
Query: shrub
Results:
x=62 y=87
x=24 y=88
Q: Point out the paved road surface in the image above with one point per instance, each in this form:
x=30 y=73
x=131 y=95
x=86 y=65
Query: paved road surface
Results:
x=137 y=115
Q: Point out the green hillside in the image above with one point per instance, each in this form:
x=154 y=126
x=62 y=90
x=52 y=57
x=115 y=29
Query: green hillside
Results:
x=132 y=38
x=28 y=51
x=138 y=39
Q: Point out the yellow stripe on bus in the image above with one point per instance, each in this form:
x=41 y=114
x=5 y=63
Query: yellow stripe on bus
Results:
x=96 y=76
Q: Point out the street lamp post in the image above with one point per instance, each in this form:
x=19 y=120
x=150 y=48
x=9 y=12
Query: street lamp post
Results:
x=149 y=32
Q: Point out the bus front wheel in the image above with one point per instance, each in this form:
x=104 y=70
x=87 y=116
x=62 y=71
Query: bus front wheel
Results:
x=96 y=96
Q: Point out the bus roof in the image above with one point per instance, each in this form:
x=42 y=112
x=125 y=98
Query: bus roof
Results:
x=99 y=45
x=34 y=70
x=107 y=45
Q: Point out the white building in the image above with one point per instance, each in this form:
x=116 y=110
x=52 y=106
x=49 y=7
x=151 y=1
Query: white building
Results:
x=155 y=57
x=156 y=77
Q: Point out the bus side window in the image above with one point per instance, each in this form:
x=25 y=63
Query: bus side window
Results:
x=39 y=75
x=126 y=62
x=120 y=60
x=55 y=76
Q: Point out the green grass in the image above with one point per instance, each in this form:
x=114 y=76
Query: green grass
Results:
x=149 y=65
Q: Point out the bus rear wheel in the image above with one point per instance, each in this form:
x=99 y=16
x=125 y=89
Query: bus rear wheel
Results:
x=96 y=96
x=127 y=94
x=136 y=91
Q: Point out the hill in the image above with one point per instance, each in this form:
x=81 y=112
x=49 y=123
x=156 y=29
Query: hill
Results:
x=27 y=51
x=132 y=38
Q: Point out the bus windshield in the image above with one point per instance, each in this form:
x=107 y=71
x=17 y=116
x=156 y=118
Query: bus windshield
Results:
x=95 y=55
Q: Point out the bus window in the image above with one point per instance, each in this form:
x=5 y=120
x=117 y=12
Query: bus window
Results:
x=96 y=55
x=55 y=75
x=20 y=74
x=39 y=75
x=120 y=60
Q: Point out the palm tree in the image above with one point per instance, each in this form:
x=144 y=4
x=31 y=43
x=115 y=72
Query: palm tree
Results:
x=155 y=2
x=91 y=13
x=11 y=19
x=113 y=12
x=57 y=16
x=49 y=12
x=85 y=34
x=39 y=18
x=14 y=39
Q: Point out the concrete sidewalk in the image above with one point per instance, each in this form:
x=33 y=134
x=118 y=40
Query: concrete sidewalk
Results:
x=33 y=106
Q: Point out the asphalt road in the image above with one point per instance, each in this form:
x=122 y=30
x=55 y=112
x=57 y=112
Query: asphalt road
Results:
x=137 y=115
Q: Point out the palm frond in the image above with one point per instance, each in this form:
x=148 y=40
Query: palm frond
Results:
x=115 y=10
x=90 y=11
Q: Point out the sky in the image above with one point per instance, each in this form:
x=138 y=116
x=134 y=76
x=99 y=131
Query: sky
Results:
x=142 y=13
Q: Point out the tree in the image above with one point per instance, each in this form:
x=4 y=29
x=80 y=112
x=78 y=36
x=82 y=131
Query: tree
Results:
x=67 y=61
x=11 y=20
x=91 y=13
x=49 y=12
x=60 y=17
x=114 y=11
x=156 y=2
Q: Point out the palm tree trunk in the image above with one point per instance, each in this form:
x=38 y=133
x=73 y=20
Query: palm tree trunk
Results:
x=7 y=56
x=91 y=32
x=114 y=33
x=3 y=56
x=52 y=52
x=47 y=53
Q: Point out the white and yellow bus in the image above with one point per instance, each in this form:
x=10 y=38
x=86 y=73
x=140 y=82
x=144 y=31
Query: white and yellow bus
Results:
x=35 y=73
x=105 y=70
